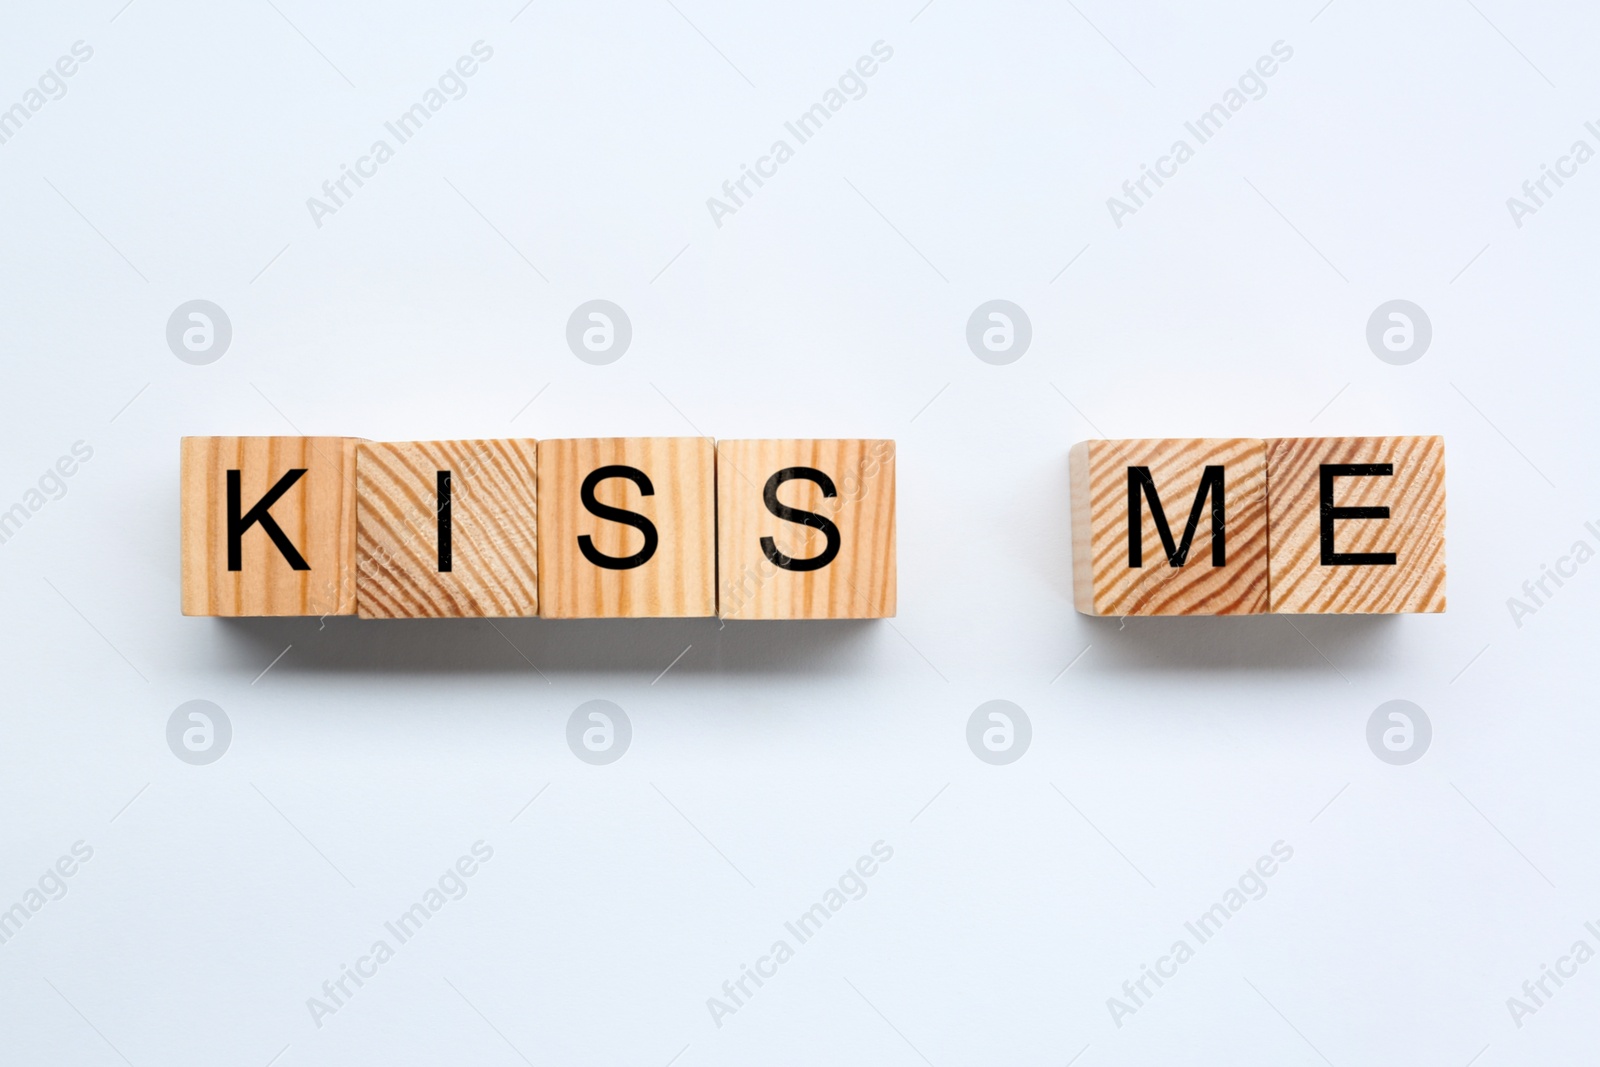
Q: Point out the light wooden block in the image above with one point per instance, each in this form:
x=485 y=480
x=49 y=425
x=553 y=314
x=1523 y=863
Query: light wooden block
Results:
x=1328 y=560
x=1224 y=572
x=447 y=529
x=232 y=561
x=650 y=524
x=805 y=529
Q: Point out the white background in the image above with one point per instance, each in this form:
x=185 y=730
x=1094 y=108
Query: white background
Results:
x=1019 y=898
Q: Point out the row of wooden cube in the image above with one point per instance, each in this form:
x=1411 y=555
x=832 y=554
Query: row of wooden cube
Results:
x=583 y=528
x=1238 y=526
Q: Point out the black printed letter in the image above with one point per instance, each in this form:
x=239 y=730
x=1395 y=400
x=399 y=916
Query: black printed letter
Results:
x=769 y=495
x=1330 y=471
x=1210 y=482
x=442 y=496
x=238 y=524
x=627 y=518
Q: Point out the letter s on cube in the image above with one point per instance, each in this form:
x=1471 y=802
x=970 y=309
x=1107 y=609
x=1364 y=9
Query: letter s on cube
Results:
x=626 y=527
x=806 y=529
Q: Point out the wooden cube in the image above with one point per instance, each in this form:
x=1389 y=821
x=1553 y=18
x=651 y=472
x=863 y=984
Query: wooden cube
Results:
x=1169 y=527
x=805 y=529
x=626 y=527
x=268 y=525
x=1357 y=524
x=446 y=529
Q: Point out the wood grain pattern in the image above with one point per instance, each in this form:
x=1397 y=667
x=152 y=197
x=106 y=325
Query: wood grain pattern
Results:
x=1104 y=582
x=492 y=544
x=859 y=581
x=678 y=579
x=1414 y=531
x=316 y=515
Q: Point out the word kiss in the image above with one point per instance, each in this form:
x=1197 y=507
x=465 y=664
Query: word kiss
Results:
x=585 y=528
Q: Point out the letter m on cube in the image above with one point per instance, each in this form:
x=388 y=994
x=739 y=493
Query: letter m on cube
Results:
x=1171 y=526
